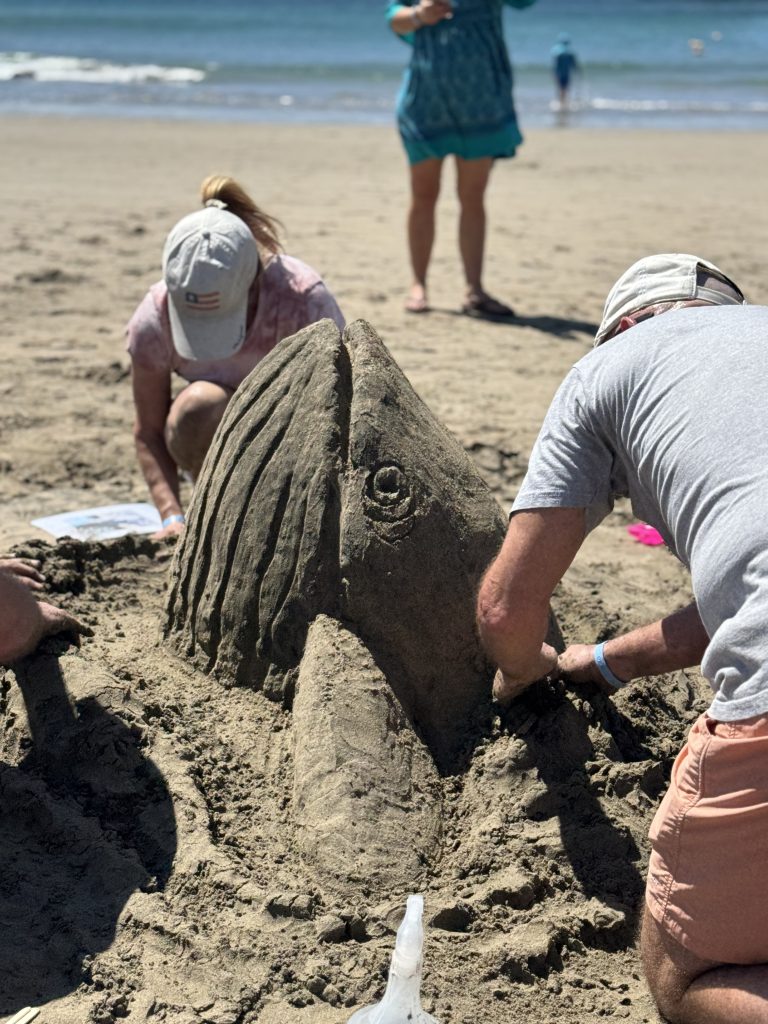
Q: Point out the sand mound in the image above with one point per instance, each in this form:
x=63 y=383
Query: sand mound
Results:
x=154 y=866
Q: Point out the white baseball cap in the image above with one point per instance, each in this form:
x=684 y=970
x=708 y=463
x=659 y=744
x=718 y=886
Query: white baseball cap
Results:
x=668 y=277
x=209 y=263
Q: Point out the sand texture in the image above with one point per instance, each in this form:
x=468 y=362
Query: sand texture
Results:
x=216 y=821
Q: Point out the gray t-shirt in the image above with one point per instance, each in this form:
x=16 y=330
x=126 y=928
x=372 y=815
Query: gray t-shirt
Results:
x=674 y=414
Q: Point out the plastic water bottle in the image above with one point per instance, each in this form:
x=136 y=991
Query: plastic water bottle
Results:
x=402 y=1000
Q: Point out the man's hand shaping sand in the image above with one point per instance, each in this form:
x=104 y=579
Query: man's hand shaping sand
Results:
x=577 y=665
x=506 y=687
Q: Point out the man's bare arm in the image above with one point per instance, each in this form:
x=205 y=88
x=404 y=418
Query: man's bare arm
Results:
x=513 y=614
x=513 y=603
x=674 y=642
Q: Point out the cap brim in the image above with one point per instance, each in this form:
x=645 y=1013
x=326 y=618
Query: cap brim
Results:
x=605 y=329
x=207 y=336
x=666 y=277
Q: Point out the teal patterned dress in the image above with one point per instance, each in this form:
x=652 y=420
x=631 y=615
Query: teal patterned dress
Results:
x=456 y=96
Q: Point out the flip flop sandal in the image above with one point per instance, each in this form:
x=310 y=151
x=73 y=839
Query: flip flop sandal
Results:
x=488 y=309
x=417 y=306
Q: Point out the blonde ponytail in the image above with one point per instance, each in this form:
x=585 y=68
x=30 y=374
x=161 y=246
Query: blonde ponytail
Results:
x=233 y=196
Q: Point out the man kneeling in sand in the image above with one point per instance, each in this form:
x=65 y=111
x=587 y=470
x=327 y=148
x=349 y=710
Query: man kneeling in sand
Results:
x=669 y=409
x=23 y=620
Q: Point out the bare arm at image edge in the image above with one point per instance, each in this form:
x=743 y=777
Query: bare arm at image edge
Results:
x=24 y=622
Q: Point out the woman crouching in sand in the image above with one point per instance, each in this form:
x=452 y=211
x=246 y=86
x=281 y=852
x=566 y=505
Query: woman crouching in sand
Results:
x=227 y=297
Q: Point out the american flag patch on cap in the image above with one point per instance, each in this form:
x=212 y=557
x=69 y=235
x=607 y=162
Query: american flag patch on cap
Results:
x=202 y=300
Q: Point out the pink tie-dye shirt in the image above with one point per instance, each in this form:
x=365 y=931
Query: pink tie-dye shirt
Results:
x=291 y=296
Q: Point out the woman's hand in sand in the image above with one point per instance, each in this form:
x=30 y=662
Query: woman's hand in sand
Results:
x=171 y=530
x=25 y=570
x=430 y=12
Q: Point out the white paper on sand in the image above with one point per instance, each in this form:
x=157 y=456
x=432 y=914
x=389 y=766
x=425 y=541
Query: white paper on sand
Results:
x=25 y=1016
x=102 y=523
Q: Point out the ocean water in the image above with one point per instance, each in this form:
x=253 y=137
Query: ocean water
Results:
x=647 y=63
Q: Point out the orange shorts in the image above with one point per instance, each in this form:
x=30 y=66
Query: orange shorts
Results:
x=708 y=873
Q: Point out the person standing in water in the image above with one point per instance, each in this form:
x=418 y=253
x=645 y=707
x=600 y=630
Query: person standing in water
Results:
x=564 y=66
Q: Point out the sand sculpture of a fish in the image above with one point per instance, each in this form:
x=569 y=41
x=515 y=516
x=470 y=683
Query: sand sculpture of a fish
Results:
x=334 y=544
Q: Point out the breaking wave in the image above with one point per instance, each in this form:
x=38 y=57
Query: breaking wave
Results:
x=28 y=66
x=677 y=106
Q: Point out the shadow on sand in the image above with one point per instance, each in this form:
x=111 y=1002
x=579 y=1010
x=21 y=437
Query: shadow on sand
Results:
x=560 y=737
x=560 y=327
x=87 y=821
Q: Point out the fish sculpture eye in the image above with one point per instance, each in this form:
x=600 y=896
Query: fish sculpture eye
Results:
x=388 y=485
x=389 y=501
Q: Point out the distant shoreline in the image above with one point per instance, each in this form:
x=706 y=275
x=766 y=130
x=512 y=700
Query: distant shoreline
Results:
x=679 y=66
x=573 y=120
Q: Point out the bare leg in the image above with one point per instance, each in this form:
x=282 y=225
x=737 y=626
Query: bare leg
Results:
x=192 y=422
x=425 y=189
x=471 y=182
x=689 y=990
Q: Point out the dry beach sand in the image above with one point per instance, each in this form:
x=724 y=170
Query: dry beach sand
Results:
x=150 y=866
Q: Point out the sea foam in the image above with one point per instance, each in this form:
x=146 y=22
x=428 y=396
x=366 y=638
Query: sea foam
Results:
x=26 y=66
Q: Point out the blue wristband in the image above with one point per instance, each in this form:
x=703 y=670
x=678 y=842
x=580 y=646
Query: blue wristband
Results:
x=177 y=518
x=605 y=671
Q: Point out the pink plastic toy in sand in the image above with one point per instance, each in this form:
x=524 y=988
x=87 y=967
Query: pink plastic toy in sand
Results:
x=645 y=534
